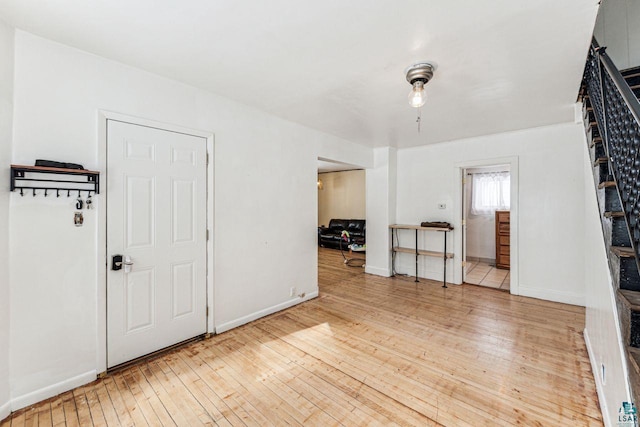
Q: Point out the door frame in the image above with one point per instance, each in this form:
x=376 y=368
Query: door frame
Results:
x=512 y=161
x=102 y=260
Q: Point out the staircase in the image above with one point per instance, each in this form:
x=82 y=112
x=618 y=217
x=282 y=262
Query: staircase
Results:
x=612 y=124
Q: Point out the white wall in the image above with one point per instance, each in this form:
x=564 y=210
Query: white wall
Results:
x=551 y=199
x=265 y=185
x=381 y=209
x=602 y=332
x=6 y=115
x=342 y=196
x=481 y=234
x=480 y=229
x=617 y=28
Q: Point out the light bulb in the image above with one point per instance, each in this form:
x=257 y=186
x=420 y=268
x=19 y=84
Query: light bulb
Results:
x=417 y=96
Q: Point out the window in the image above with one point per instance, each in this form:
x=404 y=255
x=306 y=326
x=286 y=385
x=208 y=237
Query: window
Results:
x=490 y=192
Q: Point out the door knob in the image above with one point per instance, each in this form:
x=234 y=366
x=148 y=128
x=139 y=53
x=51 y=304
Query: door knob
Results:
x=127 y=263
x=117 y=262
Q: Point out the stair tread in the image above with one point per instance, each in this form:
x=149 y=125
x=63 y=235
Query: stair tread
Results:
x=594 y=141
x=607 y=184
x=614 y=214
x=631 y=299
x=600 y=160
x=629 y=71
x=634 y=356
x=623 y=251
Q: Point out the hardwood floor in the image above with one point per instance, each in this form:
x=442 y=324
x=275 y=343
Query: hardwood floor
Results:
x=368 y=351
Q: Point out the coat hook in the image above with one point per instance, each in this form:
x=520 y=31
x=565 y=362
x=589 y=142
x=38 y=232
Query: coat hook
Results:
x=21 y=192
x=68 y=193
x=79 y=195
x=34 y=192
x=45 y=192
x=57 y=193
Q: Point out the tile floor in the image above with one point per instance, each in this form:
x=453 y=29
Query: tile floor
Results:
x=484 y=274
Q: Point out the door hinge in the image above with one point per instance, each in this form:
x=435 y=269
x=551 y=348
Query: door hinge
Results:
x=207 y=234
x=464 y=263
x=207 y=159
x=464 y=181
x=464 y=222
x=207 y=311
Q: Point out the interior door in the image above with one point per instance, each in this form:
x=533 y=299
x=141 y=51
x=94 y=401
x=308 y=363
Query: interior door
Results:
x=156 y=220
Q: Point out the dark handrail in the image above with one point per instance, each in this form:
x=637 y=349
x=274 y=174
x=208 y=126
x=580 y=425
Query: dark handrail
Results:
x=627 y=94
x=617 y=112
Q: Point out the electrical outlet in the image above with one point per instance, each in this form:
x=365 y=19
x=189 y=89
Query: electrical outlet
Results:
x=442 y=206
x=292 y=291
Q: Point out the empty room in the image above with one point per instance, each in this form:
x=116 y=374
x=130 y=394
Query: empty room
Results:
x=319 y=213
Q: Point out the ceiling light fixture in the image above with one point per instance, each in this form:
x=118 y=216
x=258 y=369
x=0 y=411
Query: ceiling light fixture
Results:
x=419 y=75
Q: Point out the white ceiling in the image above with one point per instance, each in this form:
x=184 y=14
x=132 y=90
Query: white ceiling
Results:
x=337 y=66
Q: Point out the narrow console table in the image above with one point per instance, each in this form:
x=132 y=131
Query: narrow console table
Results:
x=420 y=252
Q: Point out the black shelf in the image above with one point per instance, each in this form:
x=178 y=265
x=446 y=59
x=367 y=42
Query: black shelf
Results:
x=42 y=178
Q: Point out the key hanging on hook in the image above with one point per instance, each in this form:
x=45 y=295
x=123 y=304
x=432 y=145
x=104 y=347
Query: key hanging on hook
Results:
x=79 y=203
x=89 y=201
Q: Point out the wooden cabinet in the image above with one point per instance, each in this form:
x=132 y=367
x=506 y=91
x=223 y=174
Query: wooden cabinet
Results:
x=503 y=238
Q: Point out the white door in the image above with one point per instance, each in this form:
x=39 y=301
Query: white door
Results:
x=156 y=220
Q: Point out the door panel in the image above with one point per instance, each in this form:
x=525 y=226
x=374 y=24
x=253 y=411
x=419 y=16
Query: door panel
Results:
x=140 y=286
x=183 y=287
x=156 y=215
x=184 y=211
x=140 y=210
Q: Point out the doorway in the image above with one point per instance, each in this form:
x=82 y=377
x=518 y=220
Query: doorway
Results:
x=486 y=205
x=156 y=240
x=341 y=217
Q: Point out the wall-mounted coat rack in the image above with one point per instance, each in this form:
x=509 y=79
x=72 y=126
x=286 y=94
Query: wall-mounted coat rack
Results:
x=54 y=180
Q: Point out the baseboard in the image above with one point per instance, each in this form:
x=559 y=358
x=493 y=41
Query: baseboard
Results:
x=52 y=390
x=384 y=272
x=599 y=390
x=5 y=411
x=265 y=312
x=552 y=295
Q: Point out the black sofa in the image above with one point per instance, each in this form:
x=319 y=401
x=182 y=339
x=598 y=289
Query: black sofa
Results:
x=330 y=236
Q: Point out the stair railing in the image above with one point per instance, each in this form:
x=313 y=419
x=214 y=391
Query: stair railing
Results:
x=617 y=113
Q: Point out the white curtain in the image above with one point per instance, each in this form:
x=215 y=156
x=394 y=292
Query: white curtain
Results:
x=490 y=192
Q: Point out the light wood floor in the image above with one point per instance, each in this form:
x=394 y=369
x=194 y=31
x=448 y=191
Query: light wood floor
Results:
x=368 y=351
